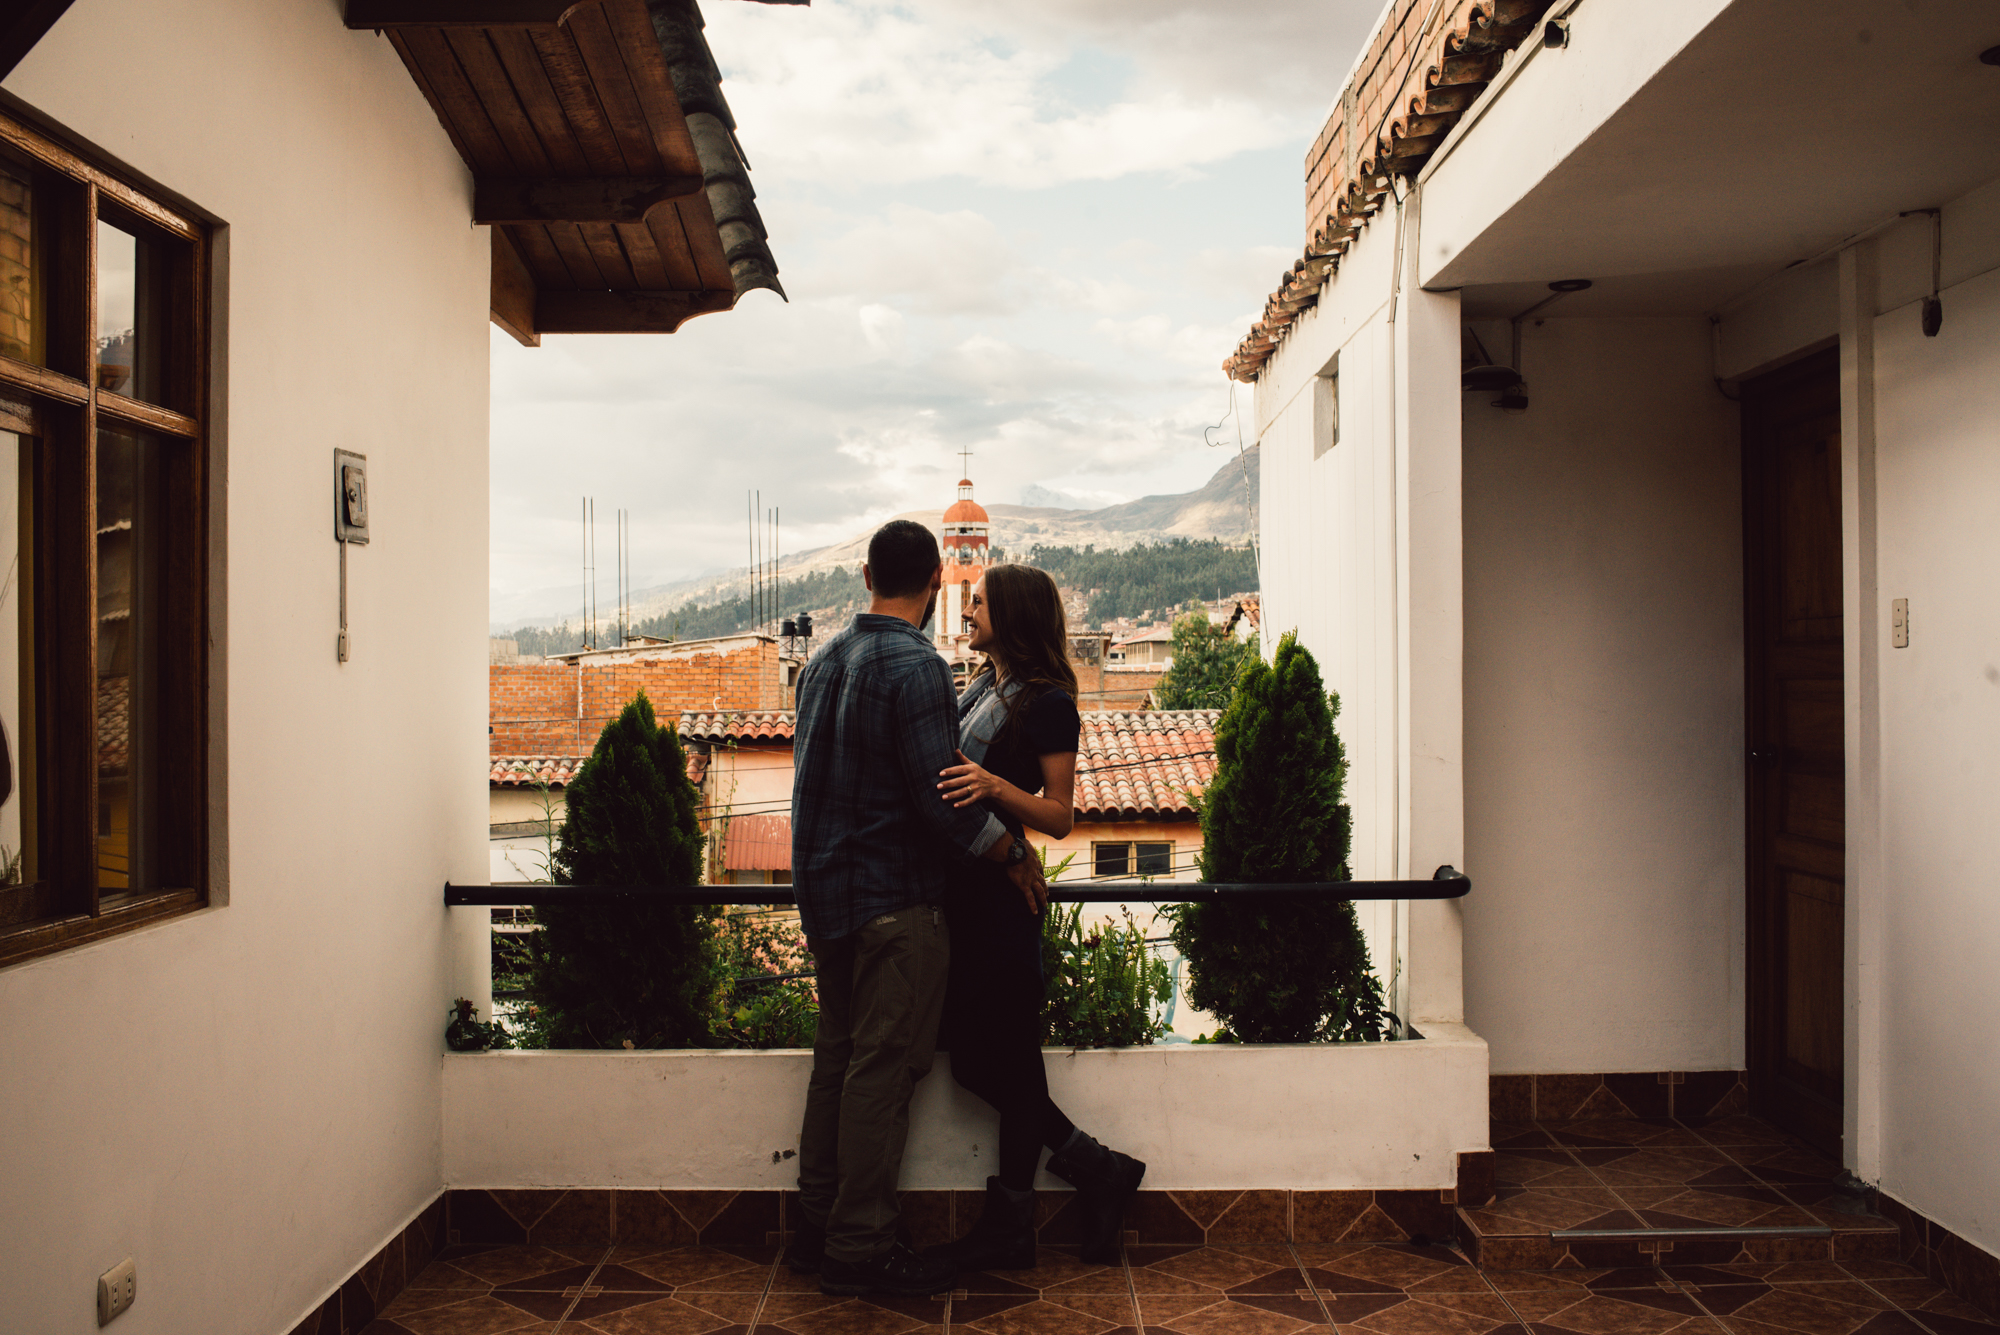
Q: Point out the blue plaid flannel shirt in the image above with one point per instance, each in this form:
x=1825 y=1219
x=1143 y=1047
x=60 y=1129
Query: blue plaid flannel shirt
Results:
x=877 y=720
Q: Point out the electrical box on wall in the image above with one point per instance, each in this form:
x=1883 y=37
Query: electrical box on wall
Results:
x=350 y=498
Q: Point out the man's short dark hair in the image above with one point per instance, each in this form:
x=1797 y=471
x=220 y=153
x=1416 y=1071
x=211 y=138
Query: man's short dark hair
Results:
x=901 y=557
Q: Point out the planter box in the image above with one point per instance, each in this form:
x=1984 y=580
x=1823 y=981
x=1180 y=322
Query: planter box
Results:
x=1385 y=1117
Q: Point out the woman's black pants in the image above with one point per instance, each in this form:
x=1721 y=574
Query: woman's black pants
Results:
x=993 y=1018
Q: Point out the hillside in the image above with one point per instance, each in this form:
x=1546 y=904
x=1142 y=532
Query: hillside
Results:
x=1219 y=510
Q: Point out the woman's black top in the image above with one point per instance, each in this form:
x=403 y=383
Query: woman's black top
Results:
x=1050 y=726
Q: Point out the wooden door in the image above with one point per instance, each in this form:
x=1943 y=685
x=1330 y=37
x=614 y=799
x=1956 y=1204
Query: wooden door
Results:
x=1796 y=944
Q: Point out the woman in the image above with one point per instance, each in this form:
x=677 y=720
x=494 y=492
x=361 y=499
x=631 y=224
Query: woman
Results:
x=1018 y=730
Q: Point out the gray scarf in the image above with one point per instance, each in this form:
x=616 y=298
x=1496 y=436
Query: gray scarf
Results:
x=981 y=715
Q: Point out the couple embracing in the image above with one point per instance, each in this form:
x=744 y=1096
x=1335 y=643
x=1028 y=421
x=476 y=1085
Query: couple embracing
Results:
x=922 y=903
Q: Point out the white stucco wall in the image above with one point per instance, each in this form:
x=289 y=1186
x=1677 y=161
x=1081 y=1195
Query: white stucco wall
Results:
x=1603 y=699
x=1938 y=475
x=1322 y=1116
x=246 y=1101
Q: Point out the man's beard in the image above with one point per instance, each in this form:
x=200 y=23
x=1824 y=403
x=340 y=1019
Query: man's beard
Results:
x=930 y=610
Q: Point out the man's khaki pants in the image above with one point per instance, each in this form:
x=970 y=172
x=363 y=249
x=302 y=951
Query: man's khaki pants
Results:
x=881 y=990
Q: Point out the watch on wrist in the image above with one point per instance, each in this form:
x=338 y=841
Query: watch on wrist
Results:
x=1017 y=853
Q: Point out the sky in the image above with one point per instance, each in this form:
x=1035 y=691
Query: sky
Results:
x=1030 y=230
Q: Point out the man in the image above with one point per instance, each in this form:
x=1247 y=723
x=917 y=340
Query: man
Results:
x=874 y=848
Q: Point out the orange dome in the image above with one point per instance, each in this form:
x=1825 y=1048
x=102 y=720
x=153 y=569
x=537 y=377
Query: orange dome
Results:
x=965 y=510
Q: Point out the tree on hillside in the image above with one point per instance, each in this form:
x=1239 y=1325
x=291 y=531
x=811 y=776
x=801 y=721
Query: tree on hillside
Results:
x=1207 y=661
x=1279 y=971
x=602 y=975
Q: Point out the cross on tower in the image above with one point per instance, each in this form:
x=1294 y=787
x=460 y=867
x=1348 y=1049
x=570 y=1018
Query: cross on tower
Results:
x=965 y=462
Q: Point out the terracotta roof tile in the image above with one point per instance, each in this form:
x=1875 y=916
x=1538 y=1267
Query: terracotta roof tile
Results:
x=1134 y=764
x=532 y=771
x=738 y=725
x=1402 y=109
x=114 y=725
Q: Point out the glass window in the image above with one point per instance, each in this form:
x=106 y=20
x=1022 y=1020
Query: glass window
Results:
x=22 y=318
x=1156 y=859
x=1111 y=859
x=17 y=670
x=131 y=312
x=129 y=569
x=103 y=602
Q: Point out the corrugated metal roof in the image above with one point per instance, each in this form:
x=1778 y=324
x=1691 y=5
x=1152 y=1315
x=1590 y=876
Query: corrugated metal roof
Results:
x=758 y=843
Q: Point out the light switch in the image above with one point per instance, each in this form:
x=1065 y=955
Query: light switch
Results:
x=1899 y=623
x=350 y=497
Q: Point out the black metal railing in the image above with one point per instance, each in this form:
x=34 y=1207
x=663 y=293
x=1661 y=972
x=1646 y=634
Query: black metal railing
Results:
x=1446 y=883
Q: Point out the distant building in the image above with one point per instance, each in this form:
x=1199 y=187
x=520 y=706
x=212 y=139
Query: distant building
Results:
x=968 y=555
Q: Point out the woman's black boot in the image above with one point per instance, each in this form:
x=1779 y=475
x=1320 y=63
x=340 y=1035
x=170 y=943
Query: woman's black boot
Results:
x=1105 y=1182
x=1003 y=1239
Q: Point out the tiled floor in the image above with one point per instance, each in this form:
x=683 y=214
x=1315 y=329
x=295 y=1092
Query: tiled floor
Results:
x=1167 y=1290
x=1663 y=1173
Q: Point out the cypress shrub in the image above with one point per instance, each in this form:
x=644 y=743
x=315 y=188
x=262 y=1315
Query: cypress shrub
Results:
x=604 y=975
x=1279 y=971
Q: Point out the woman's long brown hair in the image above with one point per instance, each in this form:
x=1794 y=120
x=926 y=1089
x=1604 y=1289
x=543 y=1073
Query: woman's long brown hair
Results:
x=1032 y=636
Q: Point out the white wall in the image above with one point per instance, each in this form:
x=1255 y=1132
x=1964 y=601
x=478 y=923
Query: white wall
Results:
x=1603 y=701
x=1938 y=474
x=1326 y=1116
x=246 y=1101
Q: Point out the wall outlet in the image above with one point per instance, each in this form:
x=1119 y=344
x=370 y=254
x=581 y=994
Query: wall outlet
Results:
x=116 y=1288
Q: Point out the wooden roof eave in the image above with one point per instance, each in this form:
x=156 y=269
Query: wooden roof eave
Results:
x=615 y=208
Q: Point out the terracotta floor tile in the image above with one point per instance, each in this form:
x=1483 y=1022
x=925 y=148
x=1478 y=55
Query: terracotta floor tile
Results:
x=1410 y=1269
x=1231 y=1316
x=505 y=1265
x=1632 y=1131
x=1348 y=1308
x=1622 y=1313
x=474 y=1316
x=1420 y=1316
x=1224 y=1270
x=1798 y=1307
x=1041 y=1317
x=1541 y=1281
x=863 y=1316
x=1532 y=1212
x=661 y=1316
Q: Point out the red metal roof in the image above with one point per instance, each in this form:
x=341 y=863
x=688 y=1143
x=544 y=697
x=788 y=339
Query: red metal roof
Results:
x=1135 y=764
x=758 y=843
x=738 y=725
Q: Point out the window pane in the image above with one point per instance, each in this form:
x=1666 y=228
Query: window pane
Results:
x=129 y=568
x=131 y=310
x=23 y=322
x=1156 y=859
x=1113 y=859
x=17 y=664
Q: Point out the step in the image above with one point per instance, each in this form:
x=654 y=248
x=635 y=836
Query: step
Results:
x=1619 y=1238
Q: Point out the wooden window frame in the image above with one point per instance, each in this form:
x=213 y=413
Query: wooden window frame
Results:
x=59 y=408
x=1131 y=847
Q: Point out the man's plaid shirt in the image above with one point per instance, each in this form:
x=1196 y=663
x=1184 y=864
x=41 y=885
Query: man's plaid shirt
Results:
x=877 y=720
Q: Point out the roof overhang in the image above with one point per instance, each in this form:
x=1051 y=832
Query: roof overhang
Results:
x=602 y=152
x=1677 y=169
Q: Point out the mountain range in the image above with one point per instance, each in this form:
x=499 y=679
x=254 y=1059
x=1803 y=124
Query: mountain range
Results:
x=1222 y=508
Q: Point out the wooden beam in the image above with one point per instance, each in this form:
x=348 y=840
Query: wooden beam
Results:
x=25 y=25
x=497 y=201
x=458 y=13
x=513 y=299
x=624 y=312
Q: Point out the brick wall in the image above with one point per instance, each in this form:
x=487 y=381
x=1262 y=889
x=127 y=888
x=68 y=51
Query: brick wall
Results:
x=533 y=708
x=16 y=335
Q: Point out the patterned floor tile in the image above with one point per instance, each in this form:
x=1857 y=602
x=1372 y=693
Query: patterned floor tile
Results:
x=1607 y=1132
x=1666 y=1166
x=1612 y=1312
x=698 y=1269
x=878 y=1315
x=651 y=1316
x=469 y=1316
x=1387 y=1269
x=1437 y=1314
x=1248 y=1269
x=1087 y=1314
x=1716 y=1207
x=1534 y=1211
x=1205 y=1314
x=1540 y=1167
x=1057 y=1270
